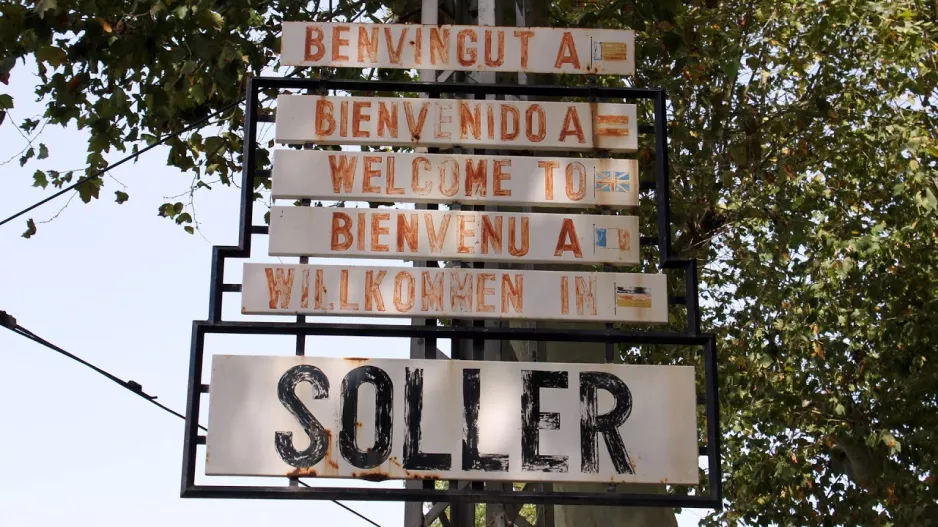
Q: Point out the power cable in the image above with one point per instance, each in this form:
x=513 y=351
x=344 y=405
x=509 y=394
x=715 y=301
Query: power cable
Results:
x=7 y=321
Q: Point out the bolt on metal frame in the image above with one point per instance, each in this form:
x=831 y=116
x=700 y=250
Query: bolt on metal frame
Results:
x=430 y=332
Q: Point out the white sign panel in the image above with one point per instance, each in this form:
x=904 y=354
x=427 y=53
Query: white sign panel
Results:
x=434 y=178
x=507 y=125
x=453 y=235
x=453 y=293
x=464 y=48
x=432 y=419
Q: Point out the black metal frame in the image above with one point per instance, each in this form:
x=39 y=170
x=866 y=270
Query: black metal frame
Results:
x=431 y=332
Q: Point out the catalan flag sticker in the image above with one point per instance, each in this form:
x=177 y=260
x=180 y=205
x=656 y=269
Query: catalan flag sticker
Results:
x=610 y=51
x=633 y=297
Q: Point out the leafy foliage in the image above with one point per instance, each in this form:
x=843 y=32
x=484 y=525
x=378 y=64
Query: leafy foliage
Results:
x=803 y=153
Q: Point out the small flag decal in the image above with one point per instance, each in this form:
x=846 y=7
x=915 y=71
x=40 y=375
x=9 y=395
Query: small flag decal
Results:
x=611 y=238
x=610 y=51
x=633 y=297
x=609 y=181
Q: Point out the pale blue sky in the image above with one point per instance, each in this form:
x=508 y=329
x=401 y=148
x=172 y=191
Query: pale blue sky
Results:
x=119 y=286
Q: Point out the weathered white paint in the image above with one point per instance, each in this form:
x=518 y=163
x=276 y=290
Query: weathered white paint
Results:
x=371 y=291
x=411 y=122
x=465 y=48
x=453 y=178
x=246 y=414
x=453 y=235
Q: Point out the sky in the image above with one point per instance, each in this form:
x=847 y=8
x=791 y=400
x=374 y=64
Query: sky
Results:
x=119 y=286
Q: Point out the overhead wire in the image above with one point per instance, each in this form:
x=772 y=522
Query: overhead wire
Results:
x=10 y=323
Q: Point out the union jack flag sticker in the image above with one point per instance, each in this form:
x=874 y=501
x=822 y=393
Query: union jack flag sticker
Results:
x=609 y=181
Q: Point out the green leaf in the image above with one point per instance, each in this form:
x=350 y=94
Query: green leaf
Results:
x=6 y=101
x=189 y=229
x=30 y=229
x=931 y=203
x=183 y=218
x=51 y=54
x=39 y=179
x=121 y=196
x=90 y=189
x=43 y=151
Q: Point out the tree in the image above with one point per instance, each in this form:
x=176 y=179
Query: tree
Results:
x=803 y=154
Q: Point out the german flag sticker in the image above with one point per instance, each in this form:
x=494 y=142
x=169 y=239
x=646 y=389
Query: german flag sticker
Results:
x=610 y=51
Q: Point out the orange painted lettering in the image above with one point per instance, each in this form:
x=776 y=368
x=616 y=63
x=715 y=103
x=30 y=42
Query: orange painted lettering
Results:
x=567 y=52
x=494 y=62
x=571 y=125
x=377 y=229
x=513 y=293
x=401 y=303
x=373 y=298
x=358 y=117
x=338 y=42
x=341 y=226
x=344 y=304
x=482 y=291
x=415 y=127
x=325 y=122
x=548 y=167
x=367 y=44
x=343 y=119
x=360 y=242
x=279 y=286
x=515 y=118
x=449 y=190
x=491 y=235
x=460 y=292
x=578 y=171
x=568 y=240
x=443 y=109
x=464 y=230
x=415 y=176
x=436 y=237
x=524 y=36
x=342 y=169
x=498 y=176
x=470 y=119
x=584 y=295
x=387 y=121
x=564 y=295
x=394 y=53
x=466 y=55
x=538 y=136
x=391 y=190
x=513 y=249
x=407 y=232
x=304 y=289
x=476 y=178
x=314 y=39
x=431 y=291
x=439 y=46
x=370 y=173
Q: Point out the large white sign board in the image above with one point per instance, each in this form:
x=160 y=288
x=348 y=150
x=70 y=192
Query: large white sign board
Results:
x=507 y=125
x=409 y=419
x=435 y=178
x=453 y=293
x=465 y=48
x=453 y=235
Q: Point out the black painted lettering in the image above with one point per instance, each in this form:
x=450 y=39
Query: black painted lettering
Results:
x=471 y=458
x=533 y=420
x=348 y=444
x=414 y=459
x=606 y=424
x=318 y=436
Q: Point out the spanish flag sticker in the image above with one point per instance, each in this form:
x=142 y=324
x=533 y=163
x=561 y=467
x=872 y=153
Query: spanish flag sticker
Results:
x=610 y=51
